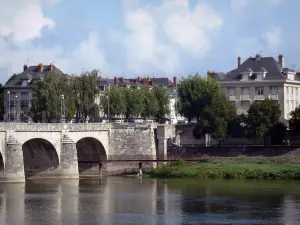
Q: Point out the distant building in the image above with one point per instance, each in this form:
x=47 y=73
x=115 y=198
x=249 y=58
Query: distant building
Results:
x=18 y=91
x=106 y=83
x=258 y=78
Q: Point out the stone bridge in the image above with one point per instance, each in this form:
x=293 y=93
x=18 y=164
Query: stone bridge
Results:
x=73 y=150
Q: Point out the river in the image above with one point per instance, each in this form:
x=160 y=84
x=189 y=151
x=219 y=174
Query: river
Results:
x=130 y=200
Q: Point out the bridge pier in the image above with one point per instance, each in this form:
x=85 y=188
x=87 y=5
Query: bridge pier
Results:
x=14 y=163
x=164 y=132
x=68 y=158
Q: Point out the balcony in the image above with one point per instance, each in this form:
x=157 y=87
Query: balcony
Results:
x=231 y=98
x=24 y=102
x=245 y=97
x=259 y=97
x=273 y=97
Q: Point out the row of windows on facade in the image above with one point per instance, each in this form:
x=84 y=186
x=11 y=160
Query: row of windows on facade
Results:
x=258 y=91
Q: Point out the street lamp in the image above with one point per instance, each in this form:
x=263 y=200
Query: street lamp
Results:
x=8 y=106
x=15 y=108
x=107 y=108
x=63 y=107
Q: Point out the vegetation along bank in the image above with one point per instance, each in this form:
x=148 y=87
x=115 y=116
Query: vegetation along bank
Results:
x=229 y=170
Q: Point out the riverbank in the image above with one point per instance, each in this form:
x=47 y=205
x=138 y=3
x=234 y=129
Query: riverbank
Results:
x=229 y=170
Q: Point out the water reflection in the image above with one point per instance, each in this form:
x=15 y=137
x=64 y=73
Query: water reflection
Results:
x=148 y=201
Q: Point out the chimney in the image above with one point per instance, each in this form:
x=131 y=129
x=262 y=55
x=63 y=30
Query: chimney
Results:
x=151 y=82
x=148 y=79
x=25 y=67
x=100 y=77
x=51 y=67
x=257 y=57
x=239 y=61
x=115 y=81
x=281 y=60
x=121 y=79
x=134 y=81
x=175 y=81
x=139 y=79
x=40 y=67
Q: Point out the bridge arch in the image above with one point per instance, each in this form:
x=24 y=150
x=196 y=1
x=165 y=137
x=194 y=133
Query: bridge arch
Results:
x=40 y=157
x=1 y=163
x=91 y=156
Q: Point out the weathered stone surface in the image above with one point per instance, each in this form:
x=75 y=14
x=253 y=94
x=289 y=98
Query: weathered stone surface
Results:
x=14 y=166
x=69 y=161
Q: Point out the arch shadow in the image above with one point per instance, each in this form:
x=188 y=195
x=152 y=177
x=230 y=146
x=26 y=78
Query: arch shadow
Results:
x=39 y=156
x=91 y=156
x=1 y=163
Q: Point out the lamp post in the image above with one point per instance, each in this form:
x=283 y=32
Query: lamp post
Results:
x=8 y=106
x=63 y=107
x=107 y=108
x=15 y=107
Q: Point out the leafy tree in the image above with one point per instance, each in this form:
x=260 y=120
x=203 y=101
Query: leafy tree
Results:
x=262 y=116
x=134 y=98
x=215 y=118
x=150 y=103
x=195 y=92
x=235 y=126
x=277 y=133
x=86 y=91
x=47 y=94
x=294 y=122
x=117 y=102
x=162 y=96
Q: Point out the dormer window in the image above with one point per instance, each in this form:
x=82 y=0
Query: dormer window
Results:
x=246 y=74
x=24 y=83
x=261 y=73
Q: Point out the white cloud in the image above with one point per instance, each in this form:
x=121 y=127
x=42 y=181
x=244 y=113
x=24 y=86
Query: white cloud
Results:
x=238 y=4
x=23 y=20
x=273 y=38
x=156 y=32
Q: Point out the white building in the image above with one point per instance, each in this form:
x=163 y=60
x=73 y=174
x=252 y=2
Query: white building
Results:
x=258 y=78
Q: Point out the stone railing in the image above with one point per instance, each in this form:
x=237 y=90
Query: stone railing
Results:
x=54 y=126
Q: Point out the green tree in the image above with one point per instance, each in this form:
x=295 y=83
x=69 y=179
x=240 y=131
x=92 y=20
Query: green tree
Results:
x=86 y=91
x=215 y=118
x=117 y=102
x=294 y=122
x=195 y=92
x=134 y=98
x=46 y=104
x=162 y=97
x=262 y=116
x=150 y=104
x=277 y=133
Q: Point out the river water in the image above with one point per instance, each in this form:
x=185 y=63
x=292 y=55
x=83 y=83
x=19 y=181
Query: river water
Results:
x=130 y=200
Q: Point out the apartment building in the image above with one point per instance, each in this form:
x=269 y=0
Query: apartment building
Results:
x=149 y=82
x=259 y=78
x=18 y=91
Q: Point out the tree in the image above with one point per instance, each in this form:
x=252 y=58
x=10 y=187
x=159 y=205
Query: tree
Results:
x=134 y=98
x=162 y=97
x=47 y=94
x=262 y=116
x=277 y=133
x=235 y=126
x=117 y=102
x=195 y=92
x=86 y=91
x=294 y=122
x=150 y=104
x=215 y=118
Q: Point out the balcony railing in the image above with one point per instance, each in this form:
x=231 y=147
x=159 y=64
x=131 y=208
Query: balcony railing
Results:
x=231 y=98
x=25 y=102
x=245 y=97
x=259 y=97
x=273 y=97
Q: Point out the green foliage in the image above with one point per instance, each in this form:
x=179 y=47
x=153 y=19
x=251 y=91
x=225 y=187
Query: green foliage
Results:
x=195 y=93
x=266 y=171
x=235 y=127
x=79 y=93
x=277 y=133
x=262 y=116
x=135 y=102
x=294 y=122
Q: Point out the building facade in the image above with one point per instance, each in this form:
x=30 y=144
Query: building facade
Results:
x=18 y=91
x=259 y=78
x=106 y=83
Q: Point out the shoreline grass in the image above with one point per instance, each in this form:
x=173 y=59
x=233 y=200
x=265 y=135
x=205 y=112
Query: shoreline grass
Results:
x=228 y=170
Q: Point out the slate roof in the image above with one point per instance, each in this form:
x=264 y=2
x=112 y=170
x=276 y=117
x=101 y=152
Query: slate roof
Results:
x=263 y=64
x=31 y=73
x=130 y=81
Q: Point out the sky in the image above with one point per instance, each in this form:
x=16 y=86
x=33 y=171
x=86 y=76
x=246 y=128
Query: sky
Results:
x=140 y=38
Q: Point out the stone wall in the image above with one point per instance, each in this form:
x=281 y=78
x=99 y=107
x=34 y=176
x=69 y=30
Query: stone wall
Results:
x=131 y=143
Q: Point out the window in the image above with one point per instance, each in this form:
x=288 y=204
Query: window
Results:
x=245 y=91
x=24 y=83
x=231 y=91
x=259 y=76
x=259 y=91
x=296 y=104
x=102 y=88
x=274 y=90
